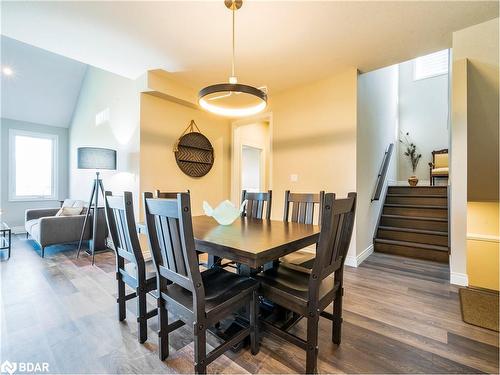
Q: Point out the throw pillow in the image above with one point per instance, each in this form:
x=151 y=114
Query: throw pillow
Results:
x=69 y=211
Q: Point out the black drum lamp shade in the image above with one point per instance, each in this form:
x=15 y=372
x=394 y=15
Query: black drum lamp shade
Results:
x=96 y=158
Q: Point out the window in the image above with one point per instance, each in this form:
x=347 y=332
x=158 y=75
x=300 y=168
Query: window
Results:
x=33 y=165
x=431 y=65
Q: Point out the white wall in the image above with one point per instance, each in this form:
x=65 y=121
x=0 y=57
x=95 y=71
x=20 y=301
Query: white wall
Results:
x=423 y=112
x=101 y=90
x=377 y=128
x=13 y=212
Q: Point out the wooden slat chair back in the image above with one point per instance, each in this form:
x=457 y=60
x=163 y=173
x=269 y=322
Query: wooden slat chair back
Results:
x=336 y=231
x=121 y=225
x=256 y=202
x=334 y=240
x=303 y=207
x=168 y=194
x=174 y=251
x=181 y=285
x=173 y=195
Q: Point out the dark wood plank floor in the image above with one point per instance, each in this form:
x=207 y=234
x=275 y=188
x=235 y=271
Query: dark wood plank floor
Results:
x=400 y=316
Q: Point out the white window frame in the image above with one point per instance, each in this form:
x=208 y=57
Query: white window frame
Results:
x=12 y=165
x=415 y=78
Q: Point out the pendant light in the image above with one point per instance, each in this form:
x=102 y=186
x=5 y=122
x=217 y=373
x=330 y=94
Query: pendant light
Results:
x=233 y=99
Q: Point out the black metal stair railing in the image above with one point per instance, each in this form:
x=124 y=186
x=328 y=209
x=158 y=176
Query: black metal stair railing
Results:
x=382 y=173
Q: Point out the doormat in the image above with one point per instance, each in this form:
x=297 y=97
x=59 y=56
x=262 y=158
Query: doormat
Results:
x=480 y=307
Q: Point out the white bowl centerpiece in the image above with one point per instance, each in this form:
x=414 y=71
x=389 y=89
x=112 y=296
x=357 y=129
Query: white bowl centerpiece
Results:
x=225 y=213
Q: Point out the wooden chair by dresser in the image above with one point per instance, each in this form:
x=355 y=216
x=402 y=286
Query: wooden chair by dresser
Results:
x=304 y=209
x=255 y=204
x=131 y=267
x=439 y=168
x=197 y=299
x=309 y=292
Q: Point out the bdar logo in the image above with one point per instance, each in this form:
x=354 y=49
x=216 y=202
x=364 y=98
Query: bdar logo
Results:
x=8 y=367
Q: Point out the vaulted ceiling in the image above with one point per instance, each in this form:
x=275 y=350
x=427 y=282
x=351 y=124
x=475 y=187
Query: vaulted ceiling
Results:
x=43 y=87
x=279 y=43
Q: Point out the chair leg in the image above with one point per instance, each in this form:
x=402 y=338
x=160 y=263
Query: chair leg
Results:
x=337 y=318
x=312 y=344
x=141 y=317
x=163 y=333
x=254 y=324
x=27 y=235
x=122 y=309
x=200 y=348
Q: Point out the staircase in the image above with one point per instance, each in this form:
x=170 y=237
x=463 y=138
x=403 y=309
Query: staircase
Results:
x=414 y=223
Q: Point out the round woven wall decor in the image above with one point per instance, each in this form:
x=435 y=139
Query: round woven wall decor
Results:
x=194 y=153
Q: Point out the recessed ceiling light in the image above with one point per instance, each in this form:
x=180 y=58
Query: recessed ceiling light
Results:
x=7 y=71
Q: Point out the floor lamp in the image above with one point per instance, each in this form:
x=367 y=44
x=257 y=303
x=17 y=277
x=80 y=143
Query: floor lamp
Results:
x=94 y=158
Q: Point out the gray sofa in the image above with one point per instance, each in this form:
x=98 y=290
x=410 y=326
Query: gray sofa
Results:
x=47 y=229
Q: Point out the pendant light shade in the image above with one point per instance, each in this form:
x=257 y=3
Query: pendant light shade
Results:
x=233 y=99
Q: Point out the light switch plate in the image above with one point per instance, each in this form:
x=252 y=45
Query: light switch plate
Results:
x=294 y=177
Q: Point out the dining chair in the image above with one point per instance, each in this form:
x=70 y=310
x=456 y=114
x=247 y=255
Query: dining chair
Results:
x=131 y=267
x=168 y=194
x=198 y=299
x=173 y=195
x=255 y=204
x=254 y=209
x=302 y=208
x=309 y=292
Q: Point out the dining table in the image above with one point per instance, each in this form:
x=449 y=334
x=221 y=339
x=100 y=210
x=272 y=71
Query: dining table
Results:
x=254 y=245
x=251 y=243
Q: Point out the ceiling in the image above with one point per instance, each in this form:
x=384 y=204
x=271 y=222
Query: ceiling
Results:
x=43 y=88
x=280 y=44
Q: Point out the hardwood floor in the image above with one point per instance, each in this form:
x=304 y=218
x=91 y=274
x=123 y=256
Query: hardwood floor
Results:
x=400 y=316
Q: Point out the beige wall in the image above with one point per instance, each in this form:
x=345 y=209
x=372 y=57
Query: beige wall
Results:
x=162 y=123
x=101 y=90
x=474 y=137
x=377 y=128
x=483 y=244
x=314 y=137
x=479 y=45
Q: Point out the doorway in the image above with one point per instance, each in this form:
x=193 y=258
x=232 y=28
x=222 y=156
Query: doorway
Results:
x=251 y=169
x=251 y=157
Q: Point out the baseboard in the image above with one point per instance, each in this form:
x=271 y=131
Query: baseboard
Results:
x=18 y=229
x=459 y=279
x=355 y=261
x=351 y=261
x=364 y=254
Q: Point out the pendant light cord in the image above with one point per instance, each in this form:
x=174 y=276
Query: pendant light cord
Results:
x=232 y=68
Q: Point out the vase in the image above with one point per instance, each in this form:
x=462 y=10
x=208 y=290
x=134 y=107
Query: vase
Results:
x=413 y=180
x=225 y=213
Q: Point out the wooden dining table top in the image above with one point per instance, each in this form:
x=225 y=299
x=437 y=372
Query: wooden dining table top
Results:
x=252 y=242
